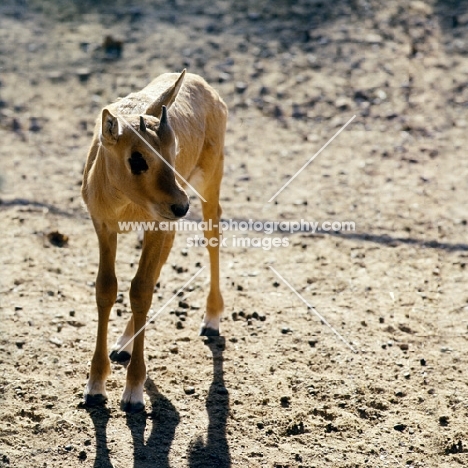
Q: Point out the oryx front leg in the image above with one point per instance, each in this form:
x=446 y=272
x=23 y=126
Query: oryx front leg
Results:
x=214 y=302
x=156 y=248
x=106 y=293
x=141 y=294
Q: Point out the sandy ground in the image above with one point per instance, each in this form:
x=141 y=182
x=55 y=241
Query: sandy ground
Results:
x=279 y=389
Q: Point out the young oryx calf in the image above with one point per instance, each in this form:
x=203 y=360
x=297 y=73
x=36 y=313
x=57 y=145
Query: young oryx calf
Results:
x=129 y=176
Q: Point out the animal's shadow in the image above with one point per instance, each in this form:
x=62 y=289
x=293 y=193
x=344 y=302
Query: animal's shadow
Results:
x=155 y=452
x=214 y=453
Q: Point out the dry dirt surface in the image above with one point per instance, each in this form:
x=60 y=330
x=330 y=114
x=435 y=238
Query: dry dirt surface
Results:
x=280 y=388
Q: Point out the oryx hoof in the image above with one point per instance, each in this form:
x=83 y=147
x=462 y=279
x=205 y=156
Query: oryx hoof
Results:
x=95 y=400
x=132 y=408
x=206 y=331
x=121 y=357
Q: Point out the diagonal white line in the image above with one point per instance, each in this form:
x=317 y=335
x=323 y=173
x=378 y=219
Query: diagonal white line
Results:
x=161 y=309
x=312 y=158
x=120 y=116
x=312 y=308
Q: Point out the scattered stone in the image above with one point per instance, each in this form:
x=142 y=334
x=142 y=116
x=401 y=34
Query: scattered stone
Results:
x=179 y=269
x=113 y=48
x=381 y=320
x=405 y=328
x=331 y=428
x=72 y=313
x=400 y=427
x=179 y=325
x=83 y=74
x=18 y=308
x=223 y=77
x=57 y=238
x=454 y=448
x=189 y=390
x=241 y=87
x=404 y=346
x=312 y=343
x=120 y=298
x=285 y=401
x=56 y=341
x=15 y=125
x=56 y=76
x=174 y=349
x=295 y=429
x=285 y=330
x=184 y=305
x=34 y=125
x=20 y=344
x=422 y=362
x=444 y=421
x=82 y=455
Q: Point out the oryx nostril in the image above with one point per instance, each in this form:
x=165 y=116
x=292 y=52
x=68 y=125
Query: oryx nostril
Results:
x=180 y=210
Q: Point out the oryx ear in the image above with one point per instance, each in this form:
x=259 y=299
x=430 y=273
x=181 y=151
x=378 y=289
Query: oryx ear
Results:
x=110 y=127
x=167 y=97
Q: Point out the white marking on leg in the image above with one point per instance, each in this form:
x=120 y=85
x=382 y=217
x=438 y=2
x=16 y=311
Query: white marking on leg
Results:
x=133 y=394
x=95 y=387
x=124 y=340
x=212 y=323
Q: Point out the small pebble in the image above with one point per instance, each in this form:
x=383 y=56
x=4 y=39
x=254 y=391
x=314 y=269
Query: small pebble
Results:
x=444 y=421
x=404 y=346
x=285 y=330
x=423 y=362
x=241 y=87
x=189 y=390
x=400 y=427
x=56 y=341
x=83 y=74
x=174 y=349
x=285 y=401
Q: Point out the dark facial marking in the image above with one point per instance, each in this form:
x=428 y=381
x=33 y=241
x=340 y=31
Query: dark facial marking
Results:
x=137 y=163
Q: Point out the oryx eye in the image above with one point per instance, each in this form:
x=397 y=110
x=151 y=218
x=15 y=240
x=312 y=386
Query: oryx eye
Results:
x=137 y=163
